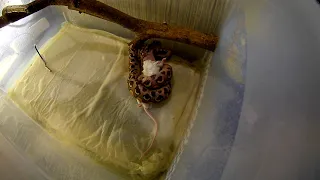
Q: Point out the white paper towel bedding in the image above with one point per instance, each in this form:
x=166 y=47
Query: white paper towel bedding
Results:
x=85 y=102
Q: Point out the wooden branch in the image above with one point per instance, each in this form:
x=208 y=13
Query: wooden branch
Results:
x=98 y=9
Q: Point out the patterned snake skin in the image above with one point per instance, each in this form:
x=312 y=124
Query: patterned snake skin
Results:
x=149 y=89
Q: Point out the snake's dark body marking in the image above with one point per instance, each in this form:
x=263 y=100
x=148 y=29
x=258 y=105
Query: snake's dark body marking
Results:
x=149 y=89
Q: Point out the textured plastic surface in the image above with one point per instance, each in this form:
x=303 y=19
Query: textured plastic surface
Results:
x=86 y=102
x=29 y=152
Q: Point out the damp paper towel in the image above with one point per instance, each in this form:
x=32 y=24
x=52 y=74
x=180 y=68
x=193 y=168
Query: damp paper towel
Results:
x=85 y=102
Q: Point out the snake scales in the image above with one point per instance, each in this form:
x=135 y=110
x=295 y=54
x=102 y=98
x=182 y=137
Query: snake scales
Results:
x=149 y=89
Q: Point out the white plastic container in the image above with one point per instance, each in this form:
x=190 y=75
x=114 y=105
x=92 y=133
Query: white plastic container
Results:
x=258 y=119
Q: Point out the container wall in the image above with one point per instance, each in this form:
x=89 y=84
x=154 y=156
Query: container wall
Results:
x=274 y=135
x=279 y=124
x=210 y=141
x=18 y=40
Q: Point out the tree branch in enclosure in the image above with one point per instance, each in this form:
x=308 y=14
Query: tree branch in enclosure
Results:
x=143 y=29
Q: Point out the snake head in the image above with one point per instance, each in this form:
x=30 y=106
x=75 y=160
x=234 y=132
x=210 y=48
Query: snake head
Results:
x=150 y=45
x=154 y=44
x=162 y=54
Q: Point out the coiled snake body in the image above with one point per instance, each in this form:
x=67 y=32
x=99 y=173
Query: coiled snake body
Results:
x=149 y=89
